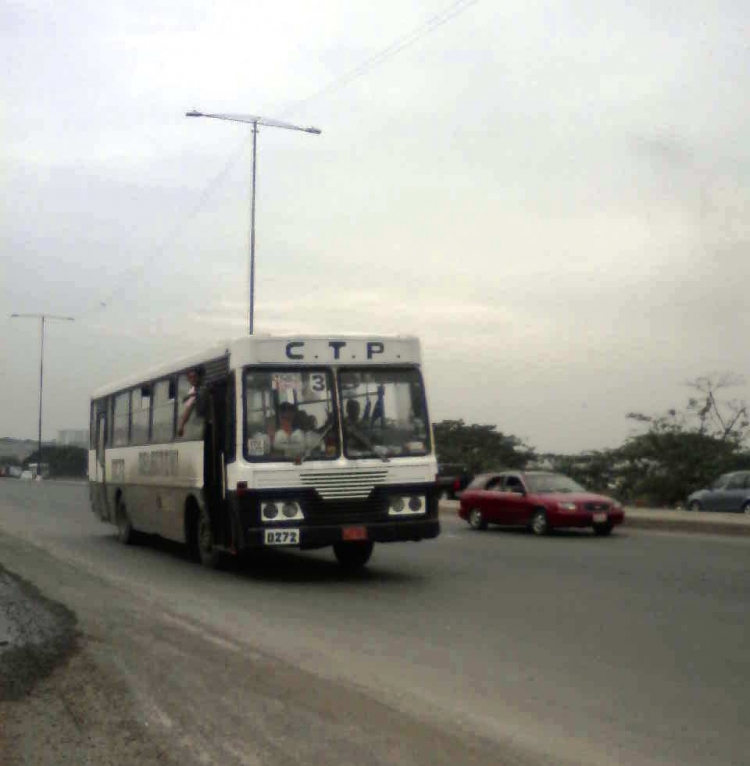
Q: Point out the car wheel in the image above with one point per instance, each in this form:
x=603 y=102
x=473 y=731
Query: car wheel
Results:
x=695 y=506
x=539 y=524
x=602 y=530
x=125 y=532
x=746 y=507
x=207 y=554
x=353 y=555
x=476 y=519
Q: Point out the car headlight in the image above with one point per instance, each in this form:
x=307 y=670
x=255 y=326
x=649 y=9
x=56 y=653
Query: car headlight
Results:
x=397 y=504
x=270 y=511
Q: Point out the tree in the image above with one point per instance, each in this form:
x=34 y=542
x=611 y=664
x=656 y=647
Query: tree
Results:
x=727 y=420
x=683 y=450
x=479 y=447
x=62 y=461
x=595 y=470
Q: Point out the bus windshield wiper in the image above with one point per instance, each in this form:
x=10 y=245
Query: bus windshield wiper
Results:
x=308 y=451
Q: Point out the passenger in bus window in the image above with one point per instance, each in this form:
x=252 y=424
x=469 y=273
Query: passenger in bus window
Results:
x=356 y=428
x=352 y=412
x=195 y=399
x=313 y=440
x=289 y=439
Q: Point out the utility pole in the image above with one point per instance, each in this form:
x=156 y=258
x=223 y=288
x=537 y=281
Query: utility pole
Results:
x=254 y=120
x=43 y=318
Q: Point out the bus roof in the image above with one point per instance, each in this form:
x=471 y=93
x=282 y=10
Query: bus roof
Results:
x=295 y=350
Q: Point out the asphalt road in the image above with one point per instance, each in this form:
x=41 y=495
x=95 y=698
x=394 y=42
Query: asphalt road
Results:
x=494 y=647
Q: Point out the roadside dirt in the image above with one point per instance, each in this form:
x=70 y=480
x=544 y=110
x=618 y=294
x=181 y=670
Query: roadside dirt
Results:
x=58 y=706
x=79 y=715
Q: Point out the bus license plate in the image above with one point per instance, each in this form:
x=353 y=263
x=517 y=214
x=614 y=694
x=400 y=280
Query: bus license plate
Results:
x=354 y=533
x=600 y=518
x=281 y=536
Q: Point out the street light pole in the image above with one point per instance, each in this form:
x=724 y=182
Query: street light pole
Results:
x=43 y=318
x=252 y=231
x=255 y=121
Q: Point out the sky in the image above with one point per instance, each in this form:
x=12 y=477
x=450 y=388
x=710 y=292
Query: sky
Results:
x=554 y=195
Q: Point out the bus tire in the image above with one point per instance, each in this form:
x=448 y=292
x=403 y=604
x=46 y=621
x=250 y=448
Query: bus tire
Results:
x=203 y=538
x=125 y=532
x=353 y=555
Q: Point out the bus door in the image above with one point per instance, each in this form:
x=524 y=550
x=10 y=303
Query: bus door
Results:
x=99 y=477
x=215 y=441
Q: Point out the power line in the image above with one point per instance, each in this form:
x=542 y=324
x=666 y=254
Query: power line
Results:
x=397 y=46
x=171 y=236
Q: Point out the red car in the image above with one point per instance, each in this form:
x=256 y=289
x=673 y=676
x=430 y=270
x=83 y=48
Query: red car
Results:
x=539 y=500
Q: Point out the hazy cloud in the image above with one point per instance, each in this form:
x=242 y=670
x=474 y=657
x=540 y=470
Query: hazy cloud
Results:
x=553 y=196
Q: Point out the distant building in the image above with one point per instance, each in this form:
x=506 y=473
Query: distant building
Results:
x=73 y=437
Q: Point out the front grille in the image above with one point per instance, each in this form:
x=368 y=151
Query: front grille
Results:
x=318 y=511
x=344 y=484
x=596 y=506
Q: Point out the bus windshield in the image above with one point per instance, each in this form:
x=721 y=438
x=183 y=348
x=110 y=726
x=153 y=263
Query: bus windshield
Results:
x=383 y=413
x=290 y=415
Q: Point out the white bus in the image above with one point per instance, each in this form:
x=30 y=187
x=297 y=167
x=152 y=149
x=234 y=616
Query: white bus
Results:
x=303 y=441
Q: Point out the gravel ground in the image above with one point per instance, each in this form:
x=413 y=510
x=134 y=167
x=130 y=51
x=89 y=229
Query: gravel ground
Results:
x=58 y=706
x=35 y=636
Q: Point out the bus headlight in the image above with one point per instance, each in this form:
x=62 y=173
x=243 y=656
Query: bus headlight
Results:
x=290 y=510
x=281 y=510
x=408 y=506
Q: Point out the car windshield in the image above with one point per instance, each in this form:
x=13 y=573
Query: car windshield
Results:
x=289 y=415
x=383 y=413
x=552 y=482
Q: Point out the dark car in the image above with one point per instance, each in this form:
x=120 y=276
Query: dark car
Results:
x=452 y=479
x=730 y=493
x=539 y=500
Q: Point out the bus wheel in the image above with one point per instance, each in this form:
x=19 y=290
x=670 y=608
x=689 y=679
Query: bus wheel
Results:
x=207 y=554
x=125 y=532
x=353 y=555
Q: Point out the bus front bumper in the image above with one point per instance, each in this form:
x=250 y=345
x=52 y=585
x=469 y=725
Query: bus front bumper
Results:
x=322 y=536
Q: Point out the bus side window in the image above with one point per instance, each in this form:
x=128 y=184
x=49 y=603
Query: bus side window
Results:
x=231 y=422
x=121 y=420
x=194 y=425
x=163 y=411
x=93 y=426
x=141 y=408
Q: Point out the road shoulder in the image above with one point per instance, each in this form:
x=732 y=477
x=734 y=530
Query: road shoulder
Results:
x=57 y=705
